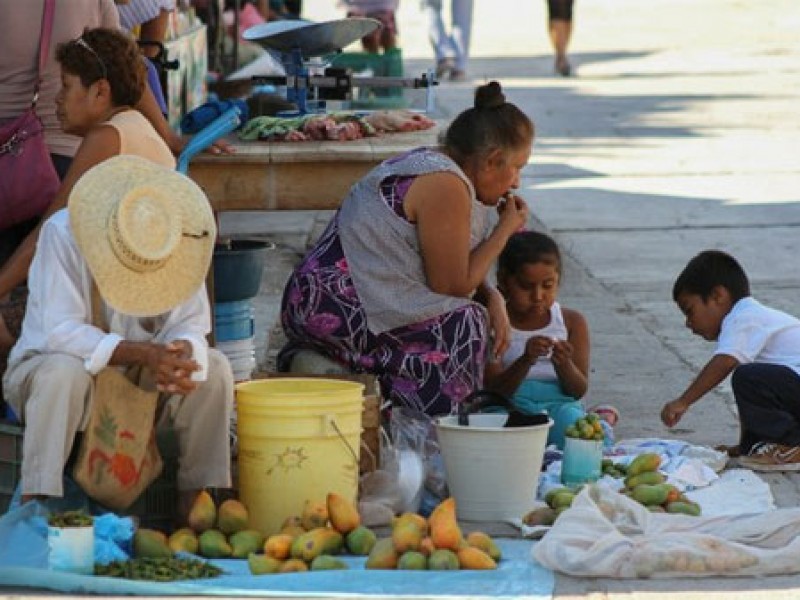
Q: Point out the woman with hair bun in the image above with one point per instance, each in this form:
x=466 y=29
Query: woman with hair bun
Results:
x=397 y=284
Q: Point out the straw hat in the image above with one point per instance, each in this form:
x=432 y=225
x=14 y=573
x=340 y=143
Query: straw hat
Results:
x=146 y=232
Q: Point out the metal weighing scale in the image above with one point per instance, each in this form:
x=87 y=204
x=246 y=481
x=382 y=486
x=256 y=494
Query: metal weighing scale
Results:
x=298 y=42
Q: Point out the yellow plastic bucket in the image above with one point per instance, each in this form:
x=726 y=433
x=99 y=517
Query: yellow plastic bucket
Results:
x=298 y=440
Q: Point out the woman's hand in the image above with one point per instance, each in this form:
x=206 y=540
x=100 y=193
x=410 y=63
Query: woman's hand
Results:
x=562 y=353
x=499 y=323
x=513 y=213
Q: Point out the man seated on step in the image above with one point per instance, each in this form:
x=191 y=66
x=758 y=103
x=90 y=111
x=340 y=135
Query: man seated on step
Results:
x=144 y=234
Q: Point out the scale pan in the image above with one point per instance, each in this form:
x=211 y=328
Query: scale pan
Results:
x=312 y=39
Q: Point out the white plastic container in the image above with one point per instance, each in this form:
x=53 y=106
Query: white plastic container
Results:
x=71 y=549
x=492 y=471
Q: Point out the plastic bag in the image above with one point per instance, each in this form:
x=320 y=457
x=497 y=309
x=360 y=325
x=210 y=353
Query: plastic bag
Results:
x=605 y=534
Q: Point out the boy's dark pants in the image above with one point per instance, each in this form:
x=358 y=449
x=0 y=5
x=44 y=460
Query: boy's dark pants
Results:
x=768 y=398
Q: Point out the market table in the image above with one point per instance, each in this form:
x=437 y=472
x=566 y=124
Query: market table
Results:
x=310 y=175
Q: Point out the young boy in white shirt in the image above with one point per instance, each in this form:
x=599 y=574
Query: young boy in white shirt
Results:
x=759 y=345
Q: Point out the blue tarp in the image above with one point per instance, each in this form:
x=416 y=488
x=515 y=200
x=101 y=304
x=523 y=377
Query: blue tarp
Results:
x=23 y=563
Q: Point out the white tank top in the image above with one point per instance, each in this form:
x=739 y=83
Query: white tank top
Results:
x=542 y=369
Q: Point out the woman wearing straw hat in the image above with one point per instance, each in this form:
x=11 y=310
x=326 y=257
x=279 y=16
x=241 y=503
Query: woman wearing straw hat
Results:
x=102 y=79
x=145 y=235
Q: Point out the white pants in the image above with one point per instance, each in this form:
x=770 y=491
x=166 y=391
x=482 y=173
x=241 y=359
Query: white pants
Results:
x=52 y=395
x=455 y=44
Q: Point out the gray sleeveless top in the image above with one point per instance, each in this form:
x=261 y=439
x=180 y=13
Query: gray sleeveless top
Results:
x=382 y=249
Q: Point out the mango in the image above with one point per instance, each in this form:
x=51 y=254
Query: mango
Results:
x=293 y=565
x=650 y=495
x=412 y=561
x=184 y=540
x=483 y=541
x=342 y=513
x=648 y=461
x=315 y=514
x=245 y=542
x=443 y=560
x=261 y=564
x=293 y=531
x=203 y=513
x=426 y=546
x=648 y=477
x=231 y=516
x=562 y=499
x=325 y=562
x=684 y=508
x=415 y=518
x=151 y=543
x=444 y=528
x=406 y=536
x=311 y=544
x=333 y=541
x=292 y=521
x=383 y=555
x=548 y=497
x=213 y=544
x=360 y=541
x=278 y=545
x=544 y=515
x=474 y=558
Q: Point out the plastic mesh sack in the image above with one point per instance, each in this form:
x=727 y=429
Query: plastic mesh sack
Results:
x=606 y=534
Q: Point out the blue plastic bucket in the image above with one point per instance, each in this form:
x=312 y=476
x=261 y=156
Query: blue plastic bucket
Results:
x=233 y=320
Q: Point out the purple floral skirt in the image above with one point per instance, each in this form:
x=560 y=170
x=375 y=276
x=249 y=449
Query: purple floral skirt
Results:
x=428 y=366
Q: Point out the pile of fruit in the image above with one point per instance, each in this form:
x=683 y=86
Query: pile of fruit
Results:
x=587 y=427
x=643 y=483
x=313 y=540
x=158 y=569
x=435 y=543
x=70 y=518
x=213 y=532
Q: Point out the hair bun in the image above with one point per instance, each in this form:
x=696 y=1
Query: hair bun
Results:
x=489 y=96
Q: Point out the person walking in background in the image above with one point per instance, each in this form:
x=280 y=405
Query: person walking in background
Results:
x=450 y=49
x=559 y=25
x=546 y=366
x=381 y=10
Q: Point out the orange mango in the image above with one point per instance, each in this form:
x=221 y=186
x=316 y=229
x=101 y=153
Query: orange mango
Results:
x=470 y=557
x=342 y=513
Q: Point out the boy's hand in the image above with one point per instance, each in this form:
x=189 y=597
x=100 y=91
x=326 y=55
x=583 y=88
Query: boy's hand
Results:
x=673 y=411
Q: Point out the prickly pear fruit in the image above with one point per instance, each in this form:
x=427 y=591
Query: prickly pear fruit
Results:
x=231 y=516
x=184 y=540
x=261 y=564
x=245 y=542
x=203 y=513
x=151 y=543
x=214 y=545
x=360 y=541
x=315 y=514
x=342 y=513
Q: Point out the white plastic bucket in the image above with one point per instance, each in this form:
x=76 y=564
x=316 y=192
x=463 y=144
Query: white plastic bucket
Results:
x=492 y=471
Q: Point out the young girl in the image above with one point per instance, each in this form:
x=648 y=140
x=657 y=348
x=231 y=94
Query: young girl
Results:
x=546 y=367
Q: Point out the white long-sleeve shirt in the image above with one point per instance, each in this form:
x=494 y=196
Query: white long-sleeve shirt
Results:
x=59 y=312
